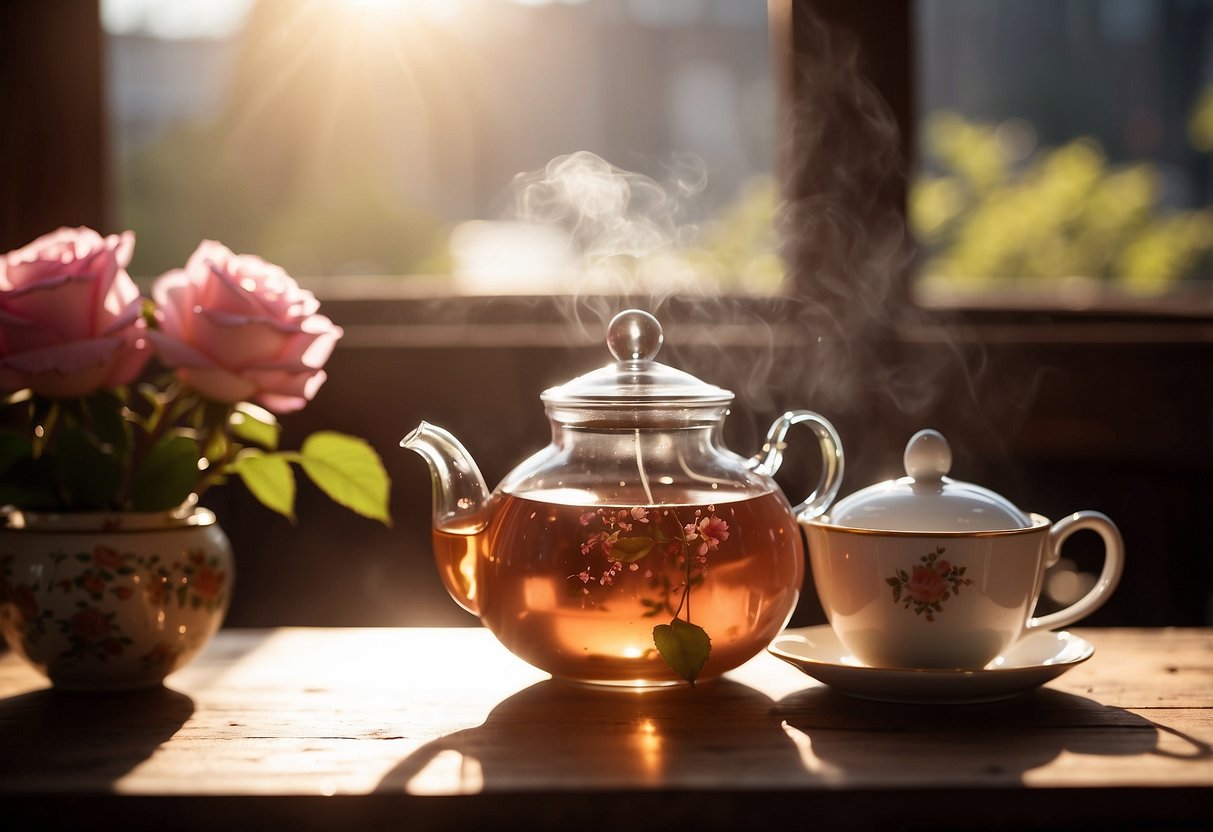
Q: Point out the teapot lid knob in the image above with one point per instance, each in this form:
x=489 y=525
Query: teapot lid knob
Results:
x=634 y=335
x=928 y=456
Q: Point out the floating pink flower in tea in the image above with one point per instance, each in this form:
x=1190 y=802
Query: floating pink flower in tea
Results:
x=711 y=531
x=683 y=645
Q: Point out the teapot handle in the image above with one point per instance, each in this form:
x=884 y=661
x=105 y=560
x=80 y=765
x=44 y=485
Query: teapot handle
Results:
x=770 y=458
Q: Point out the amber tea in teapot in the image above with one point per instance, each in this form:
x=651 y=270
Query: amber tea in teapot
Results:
x=576 y=590
x=635 y=549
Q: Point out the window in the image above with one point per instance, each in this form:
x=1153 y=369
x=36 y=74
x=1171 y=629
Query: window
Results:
x=508 y=144
x=1064 y=152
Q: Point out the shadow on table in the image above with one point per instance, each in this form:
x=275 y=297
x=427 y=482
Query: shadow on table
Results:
x=609 y=738
x=1002 y=740
x=97 y=737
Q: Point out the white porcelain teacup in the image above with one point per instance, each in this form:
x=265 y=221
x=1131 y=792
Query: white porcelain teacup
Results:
x=930 y=572
x=947 y=599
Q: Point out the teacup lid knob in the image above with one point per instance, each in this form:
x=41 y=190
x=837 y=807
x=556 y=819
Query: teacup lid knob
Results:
x=634 y=335
x=927 y=456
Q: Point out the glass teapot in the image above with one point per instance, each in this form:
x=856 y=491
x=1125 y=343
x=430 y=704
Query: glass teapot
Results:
x=635 y=548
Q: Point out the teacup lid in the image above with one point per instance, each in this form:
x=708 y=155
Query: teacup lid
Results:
x=926 y=499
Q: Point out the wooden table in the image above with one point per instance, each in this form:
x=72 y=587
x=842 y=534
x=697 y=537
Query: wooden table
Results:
x=442 y=728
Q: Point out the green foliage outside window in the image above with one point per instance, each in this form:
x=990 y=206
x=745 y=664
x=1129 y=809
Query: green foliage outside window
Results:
x=987 y=219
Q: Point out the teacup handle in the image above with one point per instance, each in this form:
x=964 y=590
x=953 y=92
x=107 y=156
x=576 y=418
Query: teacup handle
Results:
x=770 y=458
x=1113 y=566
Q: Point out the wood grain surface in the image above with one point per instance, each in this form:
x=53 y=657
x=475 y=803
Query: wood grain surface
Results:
x=443 y=728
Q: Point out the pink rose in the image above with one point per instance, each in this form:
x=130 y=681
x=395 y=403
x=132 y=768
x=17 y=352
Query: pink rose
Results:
x=926 y=586
x=70 y=319
x=238 y=328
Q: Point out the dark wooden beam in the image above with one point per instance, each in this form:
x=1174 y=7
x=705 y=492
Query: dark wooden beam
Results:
x=846 y=74
x=52 y=112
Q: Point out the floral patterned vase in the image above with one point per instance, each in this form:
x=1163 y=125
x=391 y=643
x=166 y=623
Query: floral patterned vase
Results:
x=112 y=601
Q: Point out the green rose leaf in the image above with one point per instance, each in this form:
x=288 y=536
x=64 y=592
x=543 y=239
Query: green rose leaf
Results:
x=685 y=647
x=167 y=475
x=29 y=483
x=631 y=549
x=255 y=425
x=349 y=471
x=270 y=479
x=104 y=414
x=12 y=449
x=90 y=476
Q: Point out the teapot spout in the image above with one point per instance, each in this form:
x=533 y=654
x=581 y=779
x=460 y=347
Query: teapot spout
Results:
x=461 y=499
x=461 y=510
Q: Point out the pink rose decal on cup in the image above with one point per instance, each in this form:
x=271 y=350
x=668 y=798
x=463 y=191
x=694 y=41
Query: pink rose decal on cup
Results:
x=237 y=328
x=70 y=315
x=928 y=584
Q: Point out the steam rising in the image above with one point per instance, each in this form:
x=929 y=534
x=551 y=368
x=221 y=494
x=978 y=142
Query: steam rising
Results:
x=627 y=233
x=829 y=343
x=608 y=211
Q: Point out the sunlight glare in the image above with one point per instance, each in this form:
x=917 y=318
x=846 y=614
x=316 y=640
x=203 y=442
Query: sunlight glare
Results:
x=378 y=10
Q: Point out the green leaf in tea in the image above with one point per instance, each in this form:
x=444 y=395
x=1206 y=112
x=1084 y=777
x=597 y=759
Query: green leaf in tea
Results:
x=167 y=475
x=349 y=471
x=269 y=478
x=685 y=647
x=631 y=549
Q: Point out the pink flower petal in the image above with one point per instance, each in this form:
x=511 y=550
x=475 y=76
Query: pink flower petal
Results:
x=54 y=385
x=19 y=335
x=175 y=353
x=218 y=384
x=66 y=359
x=311 y=350
x=63 y=245
x=12 y=380
x=130 y=360
x=238 y=343
x=175 y=296
x=281 y=404
x=289 y=384
x=64 y=305
x=129 y=316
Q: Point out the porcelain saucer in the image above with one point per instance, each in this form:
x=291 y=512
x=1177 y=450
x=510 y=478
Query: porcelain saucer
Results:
x=1029 y=663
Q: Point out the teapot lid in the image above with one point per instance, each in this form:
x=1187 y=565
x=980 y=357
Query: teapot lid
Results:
x=926 y=500
x=634 y=380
